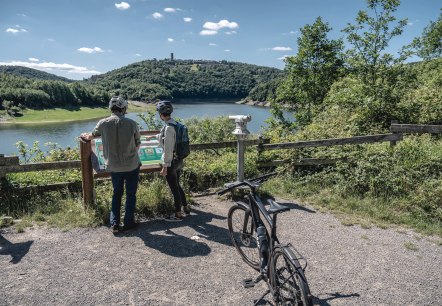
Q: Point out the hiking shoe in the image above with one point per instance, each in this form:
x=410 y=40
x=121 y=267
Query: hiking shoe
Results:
x=115 y=228
x=186 y=209
x=130 y=227
x=173 y=218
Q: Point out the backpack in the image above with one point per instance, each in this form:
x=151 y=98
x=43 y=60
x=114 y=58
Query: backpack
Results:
x=182 y=145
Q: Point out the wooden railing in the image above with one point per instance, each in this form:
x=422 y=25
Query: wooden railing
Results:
x=10 y=164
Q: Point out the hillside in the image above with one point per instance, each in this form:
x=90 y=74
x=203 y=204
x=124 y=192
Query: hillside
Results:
x=181 y=79
x=32 y=73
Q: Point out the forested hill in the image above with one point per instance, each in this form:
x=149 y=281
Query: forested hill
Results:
x=180 y=79
x=32 y=73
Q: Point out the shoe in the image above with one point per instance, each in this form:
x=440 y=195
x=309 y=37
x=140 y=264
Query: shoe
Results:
x=130 y=227
x=173 y=218
x=115 y=228
x=186 y=209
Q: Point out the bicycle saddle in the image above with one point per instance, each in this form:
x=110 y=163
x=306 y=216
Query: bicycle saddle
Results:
x=276 y=208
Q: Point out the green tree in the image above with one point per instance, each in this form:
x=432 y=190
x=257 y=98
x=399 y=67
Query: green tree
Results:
x=429 y=44
x=370 y=36
x=312 y=71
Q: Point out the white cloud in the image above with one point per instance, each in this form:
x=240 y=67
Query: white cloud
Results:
x=49 y=66
x=227 y=50
x=50 y=39
x=122 y=5
x=208 y=32
x=213 y=44
x=215 y=26
x=410 y=23
x=293 y=32
x=170 y=39
x=137 y=54
x=281 y=49
x=187 y=19
x=33 y=59
x=170 y=10
x=15 y=31
x=212 y=28
x=283 y=57
x=90 y=50
x=157 y=15
x=22 y=15
x=231 y=32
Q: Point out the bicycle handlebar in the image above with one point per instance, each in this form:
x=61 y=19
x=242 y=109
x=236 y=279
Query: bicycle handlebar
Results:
x=252 y=183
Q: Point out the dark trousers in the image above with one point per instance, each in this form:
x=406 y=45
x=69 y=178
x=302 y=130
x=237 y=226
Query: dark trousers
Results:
x=118 y=180
x=173 y=180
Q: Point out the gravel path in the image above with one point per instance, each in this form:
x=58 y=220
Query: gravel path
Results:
x=164 y=264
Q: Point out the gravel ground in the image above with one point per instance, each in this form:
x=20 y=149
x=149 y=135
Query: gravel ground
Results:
x=163 y=263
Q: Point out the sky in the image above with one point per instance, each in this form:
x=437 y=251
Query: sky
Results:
x=80 y=38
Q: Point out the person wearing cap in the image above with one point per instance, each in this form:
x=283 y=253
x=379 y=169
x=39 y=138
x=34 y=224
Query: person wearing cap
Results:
x=121 y=141
x=172 y=165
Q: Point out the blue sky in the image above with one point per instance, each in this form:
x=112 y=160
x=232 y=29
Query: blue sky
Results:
x=79 y=38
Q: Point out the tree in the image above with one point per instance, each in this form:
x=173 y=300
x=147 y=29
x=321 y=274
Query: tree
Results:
x=312 y=71
x=429 y=45
x=370 y=36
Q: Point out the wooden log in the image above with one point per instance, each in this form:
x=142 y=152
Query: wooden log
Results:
x=226 y=144
x=416 y=128
x=302 y=162
x=71 y=186
x=41 y=166
x=8 y=160
x=333 y=142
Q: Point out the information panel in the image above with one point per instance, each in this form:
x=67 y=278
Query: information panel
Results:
x=149 y=153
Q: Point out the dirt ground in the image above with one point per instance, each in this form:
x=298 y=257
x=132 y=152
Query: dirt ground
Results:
x=194 y=263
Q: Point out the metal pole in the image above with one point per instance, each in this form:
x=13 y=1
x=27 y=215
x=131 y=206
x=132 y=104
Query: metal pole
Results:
x=240 y=159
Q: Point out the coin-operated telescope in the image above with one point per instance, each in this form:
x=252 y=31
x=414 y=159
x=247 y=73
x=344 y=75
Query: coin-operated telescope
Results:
x=241 y=133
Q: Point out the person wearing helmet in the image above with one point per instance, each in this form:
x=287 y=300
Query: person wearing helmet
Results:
x=172 y=165
x=121 y=141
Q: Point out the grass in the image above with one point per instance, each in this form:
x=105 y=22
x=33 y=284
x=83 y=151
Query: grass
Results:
x=68 y=114
x=366 y=211
x=61 y=115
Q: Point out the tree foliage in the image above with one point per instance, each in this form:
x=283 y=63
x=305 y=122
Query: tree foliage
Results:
x=429 y=44
x=312 y=71
x=180 y=79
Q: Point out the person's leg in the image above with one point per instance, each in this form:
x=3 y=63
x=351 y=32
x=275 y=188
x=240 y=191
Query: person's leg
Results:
x=118 y=188
x=172 y=181
x=186 y=208
x=132 y=179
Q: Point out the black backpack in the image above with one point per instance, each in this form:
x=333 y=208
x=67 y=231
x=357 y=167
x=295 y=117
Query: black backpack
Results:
x=182 y=145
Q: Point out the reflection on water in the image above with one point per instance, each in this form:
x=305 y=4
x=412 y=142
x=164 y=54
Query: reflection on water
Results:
x=65 y=134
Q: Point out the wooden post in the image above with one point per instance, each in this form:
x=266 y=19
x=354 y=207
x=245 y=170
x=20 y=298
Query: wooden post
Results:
x=87 y=172
x=393 y=142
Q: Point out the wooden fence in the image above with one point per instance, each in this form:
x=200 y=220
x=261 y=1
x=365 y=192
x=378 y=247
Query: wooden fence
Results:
x=10 y=164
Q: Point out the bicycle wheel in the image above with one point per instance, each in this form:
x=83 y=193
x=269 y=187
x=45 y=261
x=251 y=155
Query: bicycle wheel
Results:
x=243 y=235
x=288 y=280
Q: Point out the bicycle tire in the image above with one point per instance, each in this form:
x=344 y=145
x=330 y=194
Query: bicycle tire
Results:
x=288 y=279
x=244 y=241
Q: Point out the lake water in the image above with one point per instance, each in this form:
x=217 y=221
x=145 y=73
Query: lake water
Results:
x=65 y=134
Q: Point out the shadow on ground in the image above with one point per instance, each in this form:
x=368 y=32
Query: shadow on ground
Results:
x=164 y=236
x=16 y=250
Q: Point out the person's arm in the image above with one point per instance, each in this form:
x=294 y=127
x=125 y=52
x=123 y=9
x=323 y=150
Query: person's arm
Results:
x=95 y=133
x=137 y=137
x=169 y=144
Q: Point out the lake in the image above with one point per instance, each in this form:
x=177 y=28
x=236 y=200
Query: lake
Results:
x=65 y=134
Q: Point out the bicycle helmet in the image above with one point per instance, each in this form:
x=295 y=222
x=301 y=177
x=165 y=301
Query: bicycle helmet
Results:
x=117 y=101
x=164 y=107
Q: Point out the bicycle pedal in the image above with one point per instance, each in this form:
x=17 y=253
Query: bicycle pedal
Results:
x=248 y=283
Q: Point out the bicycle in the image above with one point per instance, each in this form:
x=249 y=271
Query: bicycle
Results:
x=278 y=265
